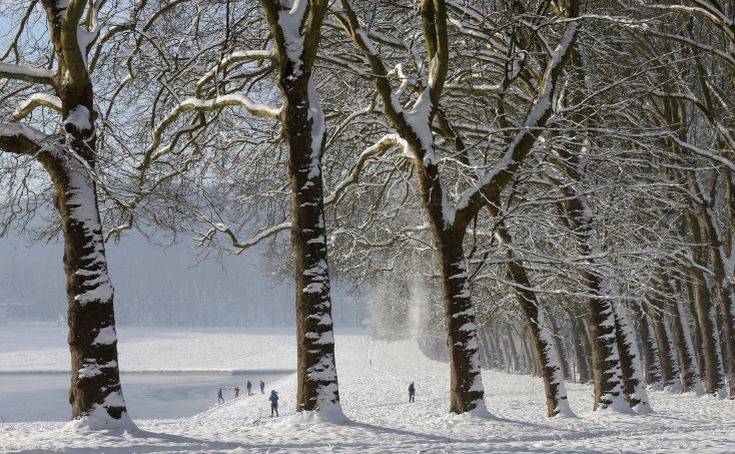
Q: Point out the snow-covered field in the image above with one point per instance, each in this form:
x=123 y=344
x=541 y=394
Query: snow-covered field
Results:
x=373 y=379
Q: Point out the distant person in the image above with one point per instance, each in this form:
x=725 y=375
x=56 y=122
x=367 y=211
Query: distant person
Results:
x=237 y=391
x=249 y=386
x=220 y=399
x=274 y=402
x=262 y=387
x=411 y=392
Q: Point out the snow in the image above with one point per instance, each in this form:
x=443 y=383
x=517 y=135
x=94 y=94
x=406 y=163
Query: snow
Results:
x=316 y=115
x=22 y=130
x=290 y=22
x=82 y=203
x=80 y=118
x=373 y=397
x=43 y=99
x=24 y=70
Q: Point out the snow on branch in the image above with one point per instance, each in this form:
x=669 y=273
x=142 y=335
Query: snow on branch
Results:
x=21 y=139
x=231 y=59
x=523 y=142
x=702 y=152
x=237 y=244
x=27 y=73
x=201 y=105
x=376 y=149
x=34 y=101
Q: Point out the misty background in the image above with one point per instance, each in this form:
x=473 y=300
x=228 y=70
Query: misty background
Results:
x=159 y=286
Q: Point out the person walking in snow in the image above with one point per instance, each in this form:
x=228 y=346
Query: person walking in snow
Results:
x=274 y=402
x=237 y=391
x=262 y=387
x=249 y=386
x=411 y=392
x=220 y=399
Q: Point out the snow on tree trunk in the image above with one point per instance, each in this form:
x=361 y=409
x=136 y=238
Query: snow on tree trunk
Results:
x=705 y=315
x=580 y=354
x=467 y=392
x=95 y=394
x=684 y=347
x=632 y=369
x=652 y=374
x=304 y=133
x=665 y=355
x=558 y=342
x=544 y=347
x=607 y=372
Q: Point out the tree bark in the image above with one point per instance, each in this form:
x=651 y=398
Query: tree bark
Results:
x=95 y=394
x=467 y=392
x=304 y=133
x=651 y=369
x=544 y=348
x=665 y=356
x=580 y=360
x=630 y=362
x=684 y=346
x=561 y=352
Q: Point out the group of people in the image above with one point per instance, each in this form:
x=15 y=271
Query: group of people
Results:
x=236 y=389
x=273 y=398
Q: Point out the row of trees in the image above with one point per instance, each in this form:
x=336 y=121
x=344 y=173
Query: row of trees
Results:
x=553 y=169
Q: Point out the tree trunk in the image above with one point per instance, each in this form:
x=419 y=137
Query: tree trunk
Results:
x=303 y=130
x=95 y=394
x=605 y=355
x=513 y=359
x=587 y=346
x=665 y=356
x=544 y=348
x=697 y=341
x=684 y=347
x=651 y=369
x=630 y=362
x=722 y=281
x=580 y=361
x=558 y=342
x=467 y=393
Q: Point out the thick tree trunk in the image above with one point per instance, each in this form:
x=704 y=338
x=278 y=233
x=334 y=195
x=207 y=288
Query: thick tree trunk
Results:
x=606 y=371
x=95 y=395
x=303 y=130
x=467 y=393
x=630 y=362
x=684 y=346
x=561 y=352
x=665 y=355
x=651 y=370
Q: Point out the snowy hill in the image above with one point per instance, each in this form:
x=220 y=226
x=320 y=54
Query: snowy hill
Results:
x=373 y=380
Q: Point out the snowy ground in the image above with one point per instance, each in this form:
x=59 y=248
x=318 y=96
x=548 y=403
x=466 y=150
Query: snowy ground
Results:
x=373 y=378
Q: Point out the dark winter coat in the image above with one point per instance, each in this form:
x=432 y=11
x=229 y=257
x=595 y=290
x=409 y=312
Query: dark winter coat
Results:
x=274 y=399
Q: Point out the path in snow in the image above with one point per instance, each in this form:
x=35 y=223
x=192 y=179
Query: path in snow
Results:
x=374 y=398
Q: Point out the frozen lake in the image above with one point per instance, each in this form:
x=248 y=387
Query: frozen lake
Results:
x=43 y=396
